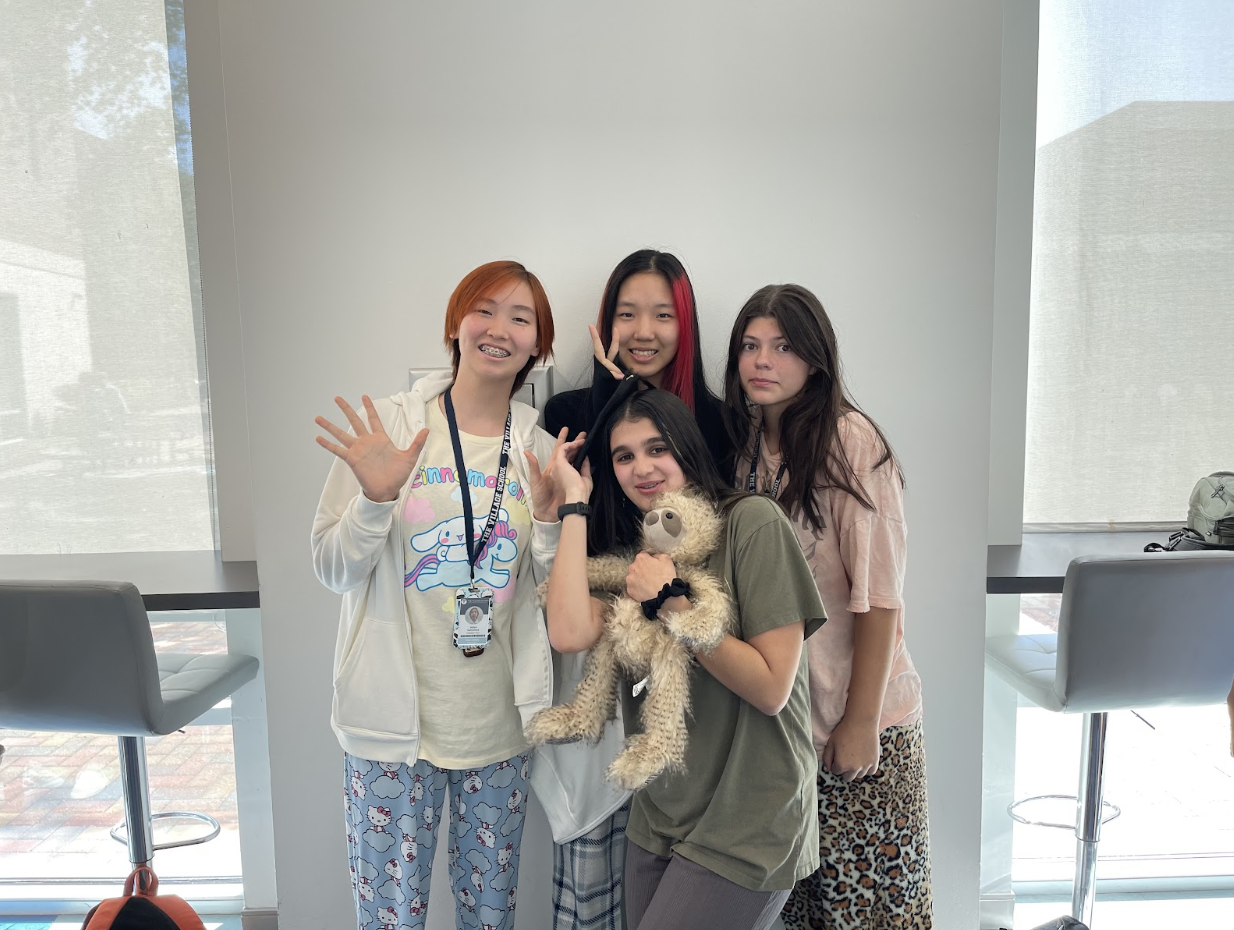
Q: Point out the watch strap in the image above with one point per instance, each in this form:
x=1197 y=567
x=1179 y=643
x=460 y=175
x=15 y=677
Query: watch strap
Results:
x=580 y=508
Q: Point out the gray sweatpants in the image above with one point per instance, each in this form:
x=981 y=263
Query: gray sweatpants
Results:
x=677 y=894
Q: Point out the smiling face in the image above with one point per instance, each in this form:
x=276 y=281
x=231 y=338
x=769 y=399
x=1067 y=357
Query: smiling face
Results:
x=645 y=325
x=772 y=374
x=643 y=463
x=499 y=335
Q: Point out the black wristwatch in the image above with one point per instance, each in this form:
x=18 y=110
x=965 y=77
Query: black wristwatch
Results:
x=674 y=588
x=579 y=508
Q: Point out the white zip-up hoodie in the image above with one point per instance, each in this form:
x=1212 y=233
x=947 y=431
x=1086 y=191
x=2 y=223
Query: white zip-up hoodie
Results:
x=357 y=552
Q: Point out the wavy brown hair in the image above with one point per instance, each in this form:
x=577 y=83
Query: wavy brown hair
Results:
x=809 y=428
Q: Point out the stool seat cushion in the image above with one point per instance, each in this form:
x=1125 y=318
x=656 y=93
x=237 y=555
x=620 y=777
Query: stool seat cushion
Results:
x=192 y=684
x=1027 y=663
x=79 y=657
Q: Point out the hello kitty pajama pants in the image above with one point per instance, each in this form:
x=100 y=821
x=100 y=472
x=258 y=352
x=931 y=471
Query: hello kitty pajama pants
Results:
x=392 y=813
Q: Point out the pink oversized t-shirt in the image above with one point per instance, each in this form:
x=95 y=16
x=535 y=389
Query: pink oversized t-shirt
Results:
x=858 y=563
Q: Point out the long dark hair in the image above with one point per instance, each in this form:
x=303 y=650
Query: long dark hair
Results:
x=683 y=376
x=617 y=521
x=809 y=440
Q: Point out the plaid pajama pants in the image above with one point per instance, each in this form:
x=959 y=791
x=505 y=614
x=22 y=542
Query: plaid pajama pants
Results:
x=587 y=877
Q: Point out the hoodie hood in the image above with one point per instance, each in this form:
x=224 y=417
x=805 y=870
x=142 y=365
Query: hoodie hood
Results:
x=412 y=404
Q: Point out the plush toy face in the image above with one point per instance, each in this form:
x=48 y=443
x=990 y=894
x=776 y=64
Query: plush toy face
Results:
x=663 y=529
x=683 y=525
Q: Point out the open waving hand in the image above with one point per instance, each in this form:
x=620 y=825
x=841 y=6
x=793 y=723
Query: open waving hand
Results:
x=381 y=468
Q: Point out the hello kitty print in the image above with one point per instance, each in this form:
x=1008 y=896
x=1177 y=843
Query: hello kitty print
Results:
x=393 y=812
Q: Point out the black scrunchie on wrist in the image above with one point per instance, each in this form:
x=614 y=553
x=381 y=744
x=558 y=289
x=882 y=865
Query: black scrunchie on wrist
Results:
x=674 y=588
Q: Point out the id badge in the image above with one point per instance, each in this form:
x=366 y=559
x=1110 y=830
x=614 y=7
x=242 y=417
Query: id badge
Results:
x=473 y=620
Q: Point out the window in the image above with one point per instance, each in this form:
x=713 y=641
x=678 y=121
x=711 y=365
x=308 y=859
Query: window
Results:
x=1129 y=394
x=104 y=414
x=1128 y=399
x=104 y=438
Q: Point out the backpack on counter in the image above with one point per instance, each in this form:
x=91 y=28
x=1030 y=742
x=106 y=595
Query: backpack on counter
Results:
x=1211 y=512
x=1210 y=517
x=145 y=910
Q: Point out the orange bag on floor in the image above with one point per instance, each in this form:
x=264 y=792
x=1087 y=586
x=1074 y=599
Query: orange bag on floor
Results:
x=143 y=910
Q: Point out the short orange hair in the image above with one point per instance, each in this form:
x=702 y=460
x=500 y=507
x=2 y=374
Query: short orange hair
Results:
x=482 y=282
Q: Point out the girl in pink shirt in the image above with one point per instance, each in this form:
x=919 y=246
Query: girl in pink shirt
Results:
x=802 y=440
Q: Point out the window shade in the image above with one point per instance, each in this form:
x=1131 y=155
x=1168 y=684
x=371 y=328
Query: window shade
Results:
x=1131 y=354
x=104 y=444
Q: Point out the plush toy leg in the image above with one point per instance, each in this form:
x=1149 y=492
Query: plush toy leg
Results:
x=662 y=744
x=593 y=705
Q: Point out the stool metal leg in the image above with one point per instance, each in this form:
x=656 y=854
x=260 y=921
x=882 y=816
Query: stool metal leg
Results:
x=135 y=789
x=1088 y=823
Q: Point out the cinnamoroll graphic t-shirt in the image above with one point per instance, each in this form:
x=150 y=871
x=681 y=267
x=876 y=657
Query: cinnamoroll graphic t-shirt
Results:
x=467 y=713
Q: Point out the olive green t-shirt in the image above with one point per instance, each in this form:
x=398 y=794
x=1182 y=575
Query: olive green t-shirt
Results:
x=746 y=806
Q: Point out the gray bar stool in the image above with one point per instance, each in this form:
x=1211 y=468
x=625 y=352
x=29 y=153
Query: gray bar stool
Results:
x=1143 y=630
x=79 y=657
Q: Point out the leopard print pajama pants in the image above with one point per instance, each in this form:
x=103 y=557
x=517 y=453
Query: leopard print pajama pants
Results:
x=874 y=846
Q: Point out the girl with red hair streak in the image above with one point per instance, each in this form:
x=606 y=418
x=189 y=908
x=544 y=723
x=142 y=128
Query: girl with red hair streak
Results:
x=436 y=526
x=648 y=326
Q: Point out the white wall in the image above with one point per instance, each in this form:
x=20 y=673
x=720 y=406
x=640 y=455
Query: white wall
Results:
x=377 y=152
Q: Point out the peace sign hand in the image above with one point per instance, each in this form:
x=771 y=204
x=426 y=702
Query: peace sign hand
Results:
x=560 y=482
x=381 y=468
x=609 y=361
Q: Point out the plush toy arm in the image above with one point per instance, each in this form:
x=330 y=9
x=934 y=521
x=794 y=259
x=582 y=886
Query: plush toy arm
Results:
x=607 y=573
x=710 y=616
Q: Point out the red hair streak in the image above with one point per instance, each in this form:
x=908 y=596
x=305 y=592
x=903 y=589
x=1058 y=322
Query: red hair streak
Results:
x=679 y=375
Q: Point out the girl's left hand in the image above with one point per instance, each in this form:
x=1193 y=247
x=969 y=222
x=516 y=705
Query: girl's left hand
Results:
x=559 y=481
x=648 y=574
x=609 y=360
x=853 y=750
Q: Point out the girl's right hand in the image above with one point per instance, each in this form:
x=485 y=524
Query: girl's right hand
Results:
x=574 y=483
x=379 y=466
x=609 y=360
x=560 y=482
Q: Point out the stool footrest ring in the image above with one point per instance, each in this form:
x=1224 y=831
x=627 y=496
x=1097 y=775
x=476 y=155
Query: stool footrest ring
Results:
x=1109 y=811
x=119 y=833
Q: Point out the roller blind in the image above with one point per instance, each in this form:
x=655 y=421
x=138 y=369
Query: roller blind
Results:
x=1131 y=354
x=104 y=438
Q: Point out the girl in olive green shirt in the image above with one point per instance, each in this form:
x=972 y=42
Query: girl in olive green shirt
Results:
x=722 y=843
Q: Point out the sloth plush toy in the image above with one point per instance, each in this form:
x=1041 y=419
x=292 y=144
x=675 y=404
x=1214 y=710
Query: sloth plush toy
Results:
x=655 y=653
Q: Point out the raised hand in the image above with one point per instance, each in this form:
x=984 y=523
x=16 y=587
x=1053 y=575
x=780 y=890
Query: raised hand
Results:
x=560 y=482
x=609 y=361
x=381 y=467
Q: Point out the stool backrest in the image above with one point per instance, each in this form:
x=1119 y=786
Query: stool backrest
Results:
x=1146 y=630
x=77 y=657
